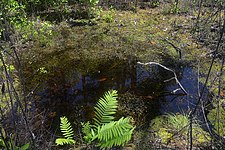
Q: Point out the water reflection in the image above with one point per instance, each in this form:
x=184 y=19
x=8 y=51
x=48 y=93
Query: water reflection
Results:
x=148 y=92
x=173 y=103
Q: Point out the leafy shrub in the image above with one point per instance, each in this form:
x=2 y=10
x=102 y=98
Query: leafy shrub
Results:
x=14 y=21
x=177 y=6
x=12 y=15
x=40 y=5
x=36 y=30
x=90 y=8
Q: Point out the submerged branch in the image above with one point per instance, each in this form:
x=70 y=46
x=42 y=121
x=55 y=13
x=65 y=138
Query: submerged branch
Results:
x=168 y=69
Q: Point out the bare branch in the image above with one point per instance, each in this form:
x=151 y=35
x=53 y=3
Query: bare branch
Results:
x=168 y=69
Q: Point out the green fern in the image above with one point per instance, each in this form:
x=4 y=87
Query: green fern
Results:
x=106 y=108
x=67 y=131
x=63 y=141
x=107 y=132
x=115 y=133
x=66 y=128
x=88 y=131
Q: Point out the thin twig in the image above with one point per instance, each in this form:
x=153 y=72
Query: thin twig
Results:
x=178 y=50
x=219 y=97
x=206 y=81
x=210 y=68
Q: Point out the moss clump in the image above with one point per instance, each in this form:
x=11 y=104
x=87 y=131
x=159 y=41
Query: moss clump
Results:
x=217 y=119
x=172 y=129
x=165 y=135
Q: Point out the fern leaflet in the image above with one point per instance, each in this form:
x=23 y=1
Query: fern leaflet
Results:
x=63 y=141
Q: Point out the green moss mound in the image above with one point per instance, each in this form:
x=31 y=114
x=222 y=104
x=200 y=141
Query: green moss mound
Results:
x=173 y=130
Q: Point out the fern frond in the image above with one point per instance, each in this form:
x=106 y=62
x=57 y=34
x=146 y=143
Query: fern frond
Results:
x=106 y=108
x=63 y=141
x=89 y=134
x=115 y=133
x=66 y=128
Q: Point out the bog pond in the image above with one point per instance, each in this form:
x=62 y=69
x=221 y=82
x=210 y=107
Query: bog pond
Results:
x=70 y=71
x=144 y=91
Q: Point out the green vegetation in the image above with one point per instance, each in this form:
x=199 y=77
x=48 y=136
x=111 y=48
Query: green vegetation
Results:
x=12 y=11
x=106 y=108
x=173 y=129
x=217 y=118
x=107 y=132
x=8 y=143
x=67 y=131
x=57 y=54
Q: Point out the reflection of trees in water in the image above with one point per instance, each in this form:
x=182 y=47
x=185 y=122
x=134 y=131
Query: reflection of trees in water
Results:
x=62 y=94
x=144 y=84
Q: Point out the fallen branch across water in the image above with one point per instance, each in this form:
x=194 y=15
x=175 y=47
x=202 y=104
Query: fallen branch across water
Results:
x=168 y=69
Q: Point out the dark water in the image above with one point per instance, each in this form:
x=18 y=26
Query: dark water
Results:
x=185 y=103
x=143 y=92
